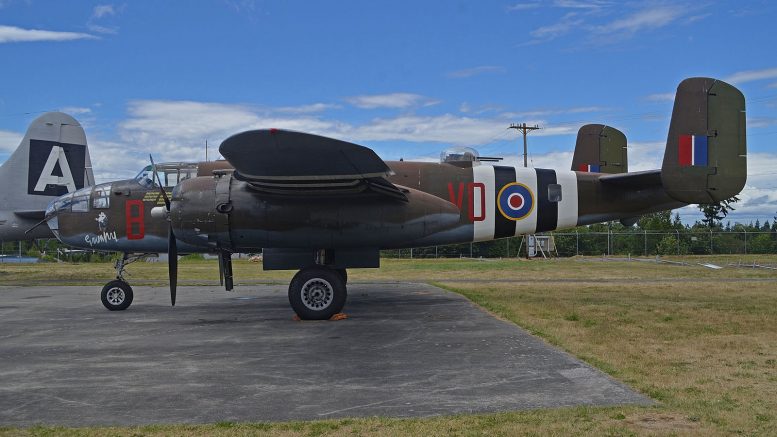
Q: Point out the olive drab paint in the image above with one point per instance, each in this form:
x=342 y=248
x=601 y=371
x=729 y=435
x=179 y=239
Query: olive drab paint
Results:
x=342 y=198
x=321 y=205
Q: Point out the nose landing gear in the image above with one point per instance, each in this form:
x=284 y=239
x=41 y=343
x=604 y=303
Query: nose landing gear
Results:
x=117 y=295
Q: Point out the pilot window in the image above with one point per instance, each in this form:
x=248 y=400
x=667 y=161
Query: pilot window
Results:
x=146 y=177
x=101 y=197
x=554 y=193
x=81 y=200
x=174 y=176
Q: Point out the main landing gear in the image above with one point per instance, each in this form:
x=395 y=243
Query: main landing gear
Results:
x=318 y=293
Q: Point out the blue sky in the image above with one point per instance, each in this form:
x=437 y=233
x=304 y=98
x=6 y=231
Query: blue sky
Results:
x=404 y=78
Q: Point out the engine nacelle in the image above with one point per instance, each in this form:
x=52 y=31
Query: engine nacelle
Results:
x=224 y=212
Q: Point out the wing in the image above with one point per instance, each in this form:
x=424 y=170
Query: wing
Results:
x=285 y=162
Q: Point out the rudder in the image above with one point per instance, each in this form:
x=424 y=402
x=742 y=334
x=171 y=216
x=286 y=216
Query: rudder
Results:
x=52 y=159
x=706 y=151
x=600 y=149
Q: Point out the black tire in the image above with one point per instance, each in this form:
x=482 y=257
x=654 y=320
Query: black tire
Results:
x=317 y=293
x=116 y=295
x=343 y=274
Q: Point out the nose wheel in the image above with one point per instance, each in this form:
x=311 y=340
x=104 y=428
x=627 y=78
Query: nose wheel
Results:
x=317 y=293
x=116 y=295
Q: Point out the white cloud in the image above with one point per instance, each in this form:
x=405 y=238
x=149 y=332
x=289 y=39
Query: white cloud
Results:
x=475 y=71
x=752 y=75
x=576 y=4
x=102 y=29
x=568 y=23
x=100 y=11
x=524 y=6
x=113 y=161
x=645 y=155
x=75 y=110
x=558 y=111
x=649 y=18
x=447 y=128
x=563 y=4
x=394 y=100
x=9 y=141
x=466 y=108
x=308 y=109
x=588 y=18
x=757 y=122
x=9 y=34
x=661 y=97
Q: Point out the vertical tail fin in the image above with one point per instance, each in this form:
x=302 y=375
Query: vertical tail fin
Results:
x=706 y=151
x=51 y=160
x=600 y=149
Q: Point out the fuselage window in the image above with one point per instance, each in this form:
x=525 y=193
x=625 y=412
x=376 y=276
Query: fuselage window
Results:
x=101 y=197
x=554 y=193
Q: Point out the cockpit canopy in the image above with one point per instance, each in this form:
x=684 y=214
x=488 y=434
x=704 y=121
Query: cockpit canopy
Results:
x=460 y=156
x=171 y=173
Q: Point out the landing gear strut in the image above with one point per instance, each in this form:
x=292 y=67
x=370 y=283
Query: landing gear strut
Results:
x=317 y=293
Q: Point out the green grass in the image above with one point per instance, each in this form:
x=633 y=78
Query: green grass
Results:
x=703 y=348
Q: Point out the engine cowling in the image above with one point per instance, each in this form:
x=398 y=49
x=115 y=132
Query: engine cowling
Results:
x=224 y=212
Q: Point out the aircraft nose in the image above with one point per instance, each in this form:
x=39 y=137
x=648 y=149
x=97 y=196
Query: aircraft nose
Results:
x=51 y=209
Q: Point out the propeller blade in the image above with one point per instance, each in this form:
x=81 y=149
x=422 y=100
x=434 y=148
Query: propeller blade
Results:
x=221 y=270
x=159 y=181
x=172 y=264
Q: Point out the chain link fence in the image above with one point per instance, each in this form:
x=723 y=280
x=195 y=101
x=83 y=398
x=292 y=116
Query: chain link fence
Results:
x=635 y=243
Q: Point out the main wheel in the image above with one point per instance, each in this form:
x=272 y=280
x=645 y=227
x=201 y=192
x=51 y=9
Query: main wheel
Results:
x=116 y=295
x=317 y=293
x=343 y=274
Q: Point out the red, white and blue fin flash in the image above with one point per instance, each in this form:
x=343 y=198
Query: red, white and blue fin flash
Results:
x=590 y=168
x=693 y=150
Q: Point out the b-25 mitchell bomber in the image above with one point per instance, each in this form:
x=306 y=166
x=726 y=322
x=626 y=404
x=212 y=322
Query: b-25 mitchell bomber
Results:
x=321 y=206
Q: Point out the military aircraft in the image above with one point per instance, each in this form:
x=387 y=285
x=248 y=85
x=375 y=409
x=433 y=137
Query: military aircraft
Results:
x=321 y=205
x=51 y=160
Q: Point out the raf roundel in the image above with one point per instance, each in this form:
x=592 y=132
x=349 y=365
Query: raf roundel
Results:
x=516 y=201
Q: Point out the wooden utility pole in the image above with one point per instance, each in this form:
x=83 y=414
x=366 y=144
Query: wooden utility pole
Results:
x=524 y=130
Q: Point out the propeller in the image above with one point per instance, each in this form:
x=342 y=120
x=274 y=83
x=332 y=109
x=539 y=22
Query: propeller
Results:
x=172 y=245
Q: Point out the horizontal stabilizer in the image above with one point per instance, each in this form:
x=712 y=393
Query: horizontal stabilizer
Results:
x=33 y=215
x=635 y=180
x=275 y=154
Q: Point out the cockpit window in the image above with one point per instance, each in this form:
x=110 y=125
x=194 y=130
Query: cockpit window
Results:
x=101 y=197
x=170 y=174
x=81 y=200
x=146 y=177
x=61 y=203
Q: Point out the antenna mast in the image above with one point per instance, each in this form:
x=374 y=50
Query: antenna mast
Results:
x=524 y=130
